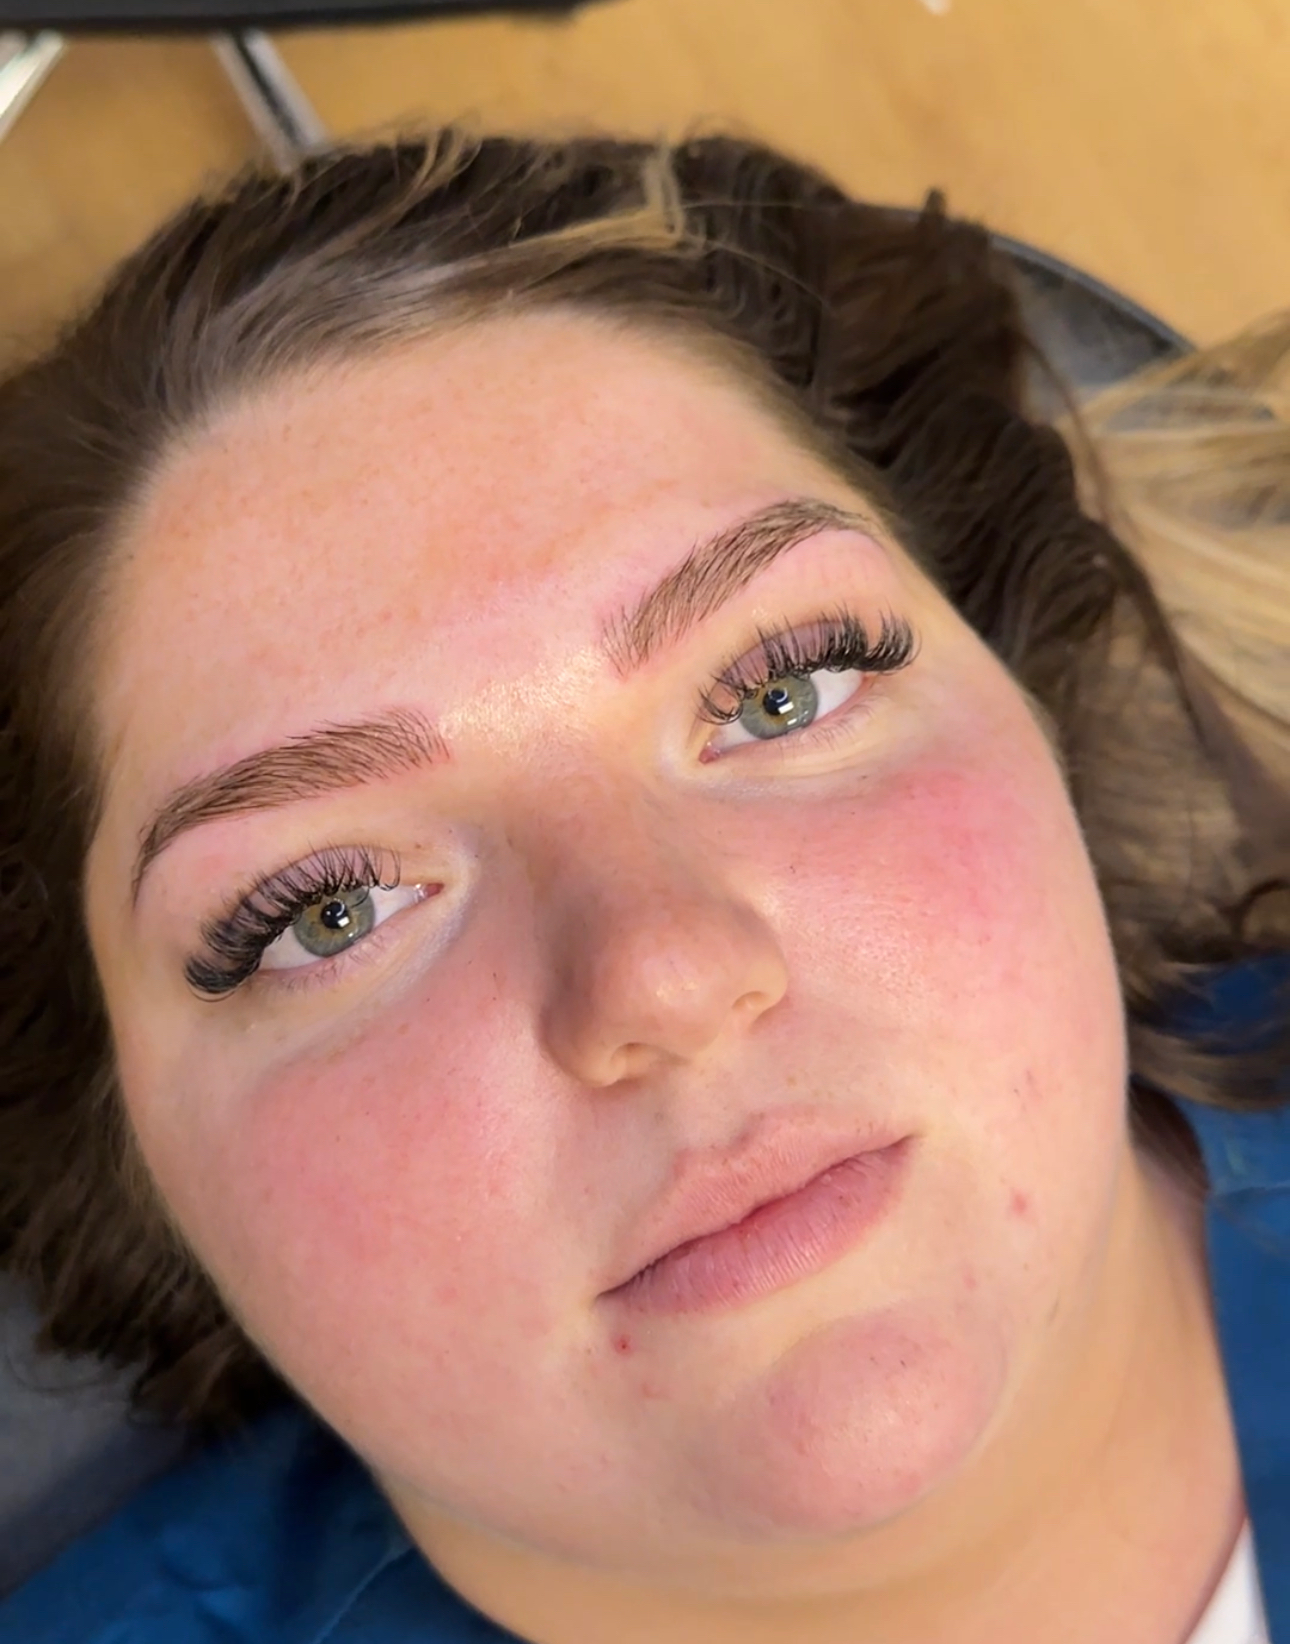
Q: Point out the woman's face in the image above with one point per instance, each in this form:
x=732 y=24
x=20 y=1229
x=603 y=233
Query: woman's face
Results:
x=626 y=939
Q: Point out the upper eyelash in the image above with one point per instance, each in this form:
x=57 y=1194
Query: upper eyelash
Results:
x=235 y=941
x=837 y=642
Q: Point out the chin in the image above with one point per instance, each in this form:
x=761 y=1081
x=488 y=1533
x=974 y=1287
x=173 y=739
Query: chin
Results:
x=854 y=1426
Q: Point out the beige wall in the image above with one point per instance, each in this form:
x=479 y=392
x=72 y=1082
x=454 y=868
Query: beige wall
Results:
x=1148 y=140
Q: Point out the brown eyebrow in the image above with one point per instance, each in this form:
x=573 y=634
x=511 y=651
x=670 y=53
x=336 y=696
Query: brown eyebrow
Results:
x=385 y=745
x=317 y=762
x=714 y=571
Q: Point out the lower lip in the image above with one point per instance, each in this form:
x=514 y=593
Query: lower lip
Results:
x=776 y=1244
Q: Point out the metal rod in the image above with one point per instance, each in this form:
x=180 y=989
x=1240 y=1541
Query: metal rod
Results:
x=278 y=109
x=25 y=60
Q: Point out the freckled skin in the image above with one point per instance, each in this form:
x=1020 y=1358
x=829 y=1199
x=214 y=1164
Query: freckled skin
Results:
x=413 y=1184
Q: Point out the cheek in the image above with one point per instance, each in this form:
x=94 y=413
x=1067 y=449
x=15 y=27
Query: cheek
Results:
x=368 y=1214
x=959 y=889
x=951 y=919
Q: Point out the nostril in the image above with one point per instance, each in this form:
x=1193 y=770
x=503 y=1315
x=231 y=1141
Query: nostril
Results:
x=632 y=1060
x=753 y=1003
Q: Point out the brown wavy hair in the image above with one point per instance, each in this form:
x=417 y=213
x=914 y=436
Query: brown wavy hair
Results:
x=891 y=342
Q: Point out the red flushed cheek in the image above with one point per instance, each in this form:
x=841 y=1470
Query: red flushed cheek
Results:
x=946 y=875
x=948 y=913
x=373 y=1197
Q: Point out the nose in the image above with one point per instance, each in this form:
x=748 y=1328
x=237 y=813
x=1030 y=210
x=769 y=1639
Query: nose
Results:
x=653 y=955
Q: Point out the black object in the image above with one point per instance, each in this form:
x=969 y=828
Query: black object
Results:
x=206 y=16
x=1093 y=334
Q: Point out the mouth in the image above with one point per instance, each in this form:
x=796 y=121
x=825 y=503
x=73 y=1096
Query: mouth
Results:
x=778 y=1242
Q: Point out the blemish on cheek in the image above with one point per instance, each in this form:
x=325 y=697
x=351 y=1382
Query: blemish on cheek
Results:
x=622 y=1344
x=1019 y=1205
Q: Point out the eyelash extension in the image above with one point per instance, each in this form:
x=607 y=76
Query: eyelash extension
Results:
x=836 y=643
x=235 y=942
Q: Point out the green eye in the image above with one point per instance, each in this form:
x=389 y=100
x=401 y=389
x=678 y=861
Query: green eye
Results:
x=328 y=927
x=780 y=705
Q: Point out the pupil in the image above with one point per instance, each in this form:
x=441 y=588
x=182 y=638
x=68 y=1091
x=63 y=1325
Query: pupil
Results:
x=335 y=916
x=777 y=700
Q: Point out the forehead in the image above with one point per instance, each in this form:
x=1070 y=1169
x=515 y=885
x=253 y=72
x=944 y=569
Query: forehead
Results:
x=502 y=451
x=519 y=465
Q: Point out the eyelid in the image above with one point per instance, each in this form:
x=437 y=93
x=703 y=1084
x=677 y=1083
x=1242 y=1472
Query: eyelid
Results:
x=838 y=726
x=334 y=861
x=386 y=903
x=808 y=735
x=325 y=972
x=328 y=970
x=836 y=640
x=272 y=903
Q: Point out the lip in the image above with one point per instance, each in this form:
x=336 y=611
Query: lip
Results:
x=739 y=1224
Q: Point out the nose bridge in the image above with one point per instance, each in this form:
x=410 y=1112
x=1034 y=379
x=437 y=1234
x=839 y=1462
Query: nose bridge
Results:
x=586 y=825
x=605 y=839
x=652 y=952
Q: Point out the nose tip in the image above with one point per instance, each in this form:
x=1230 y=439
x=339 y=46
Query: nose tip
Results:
x=657 y=977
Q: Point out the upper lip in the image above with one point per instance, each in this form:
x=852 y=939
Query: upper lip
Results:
x=709 y=1189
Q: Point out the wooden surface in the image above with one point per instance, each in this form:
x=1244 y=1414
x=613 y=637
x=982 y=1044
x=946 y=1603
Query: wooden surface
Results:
x=1147 y=140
